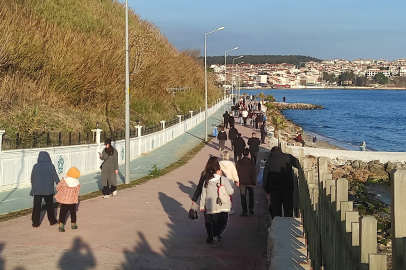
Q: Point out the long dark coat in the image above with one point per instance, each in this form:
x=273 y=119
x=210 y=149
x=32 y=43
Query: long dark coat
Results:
x=110 y=165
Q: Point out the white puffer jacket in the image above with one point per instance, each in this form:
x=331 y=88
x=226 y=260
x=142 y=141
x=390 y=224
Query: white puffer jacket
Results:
x=229 y=170
x=209 y=196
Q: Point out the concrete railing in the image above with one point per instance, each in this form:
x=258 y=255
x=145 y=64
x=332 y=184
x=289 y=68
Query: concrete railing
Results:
x=16 y=165
x=337 y=236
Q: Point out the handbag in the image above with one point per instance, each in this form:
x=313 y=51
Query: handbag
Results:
x=101 y=165
x=193 y=213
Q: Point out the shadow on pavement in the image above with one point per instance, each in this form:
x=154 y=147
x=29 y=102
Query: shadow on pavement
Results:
x=79 y=257
x=2 y=262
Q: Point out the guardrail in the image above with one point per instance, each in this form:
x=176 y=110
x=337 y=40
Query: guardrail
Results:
x=16 y=165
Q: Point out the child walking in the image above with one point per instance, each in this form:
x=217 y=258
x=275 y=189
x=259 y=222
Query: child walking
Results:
x=68 y=193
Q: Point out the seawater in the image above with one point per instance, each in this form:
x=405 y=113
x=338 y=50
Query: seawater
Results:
x=349 y=117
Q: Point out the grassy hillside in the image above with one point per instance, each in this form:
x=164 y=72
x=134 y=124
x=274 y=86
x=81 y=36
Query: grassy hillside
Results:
x=62 y=68
x=264 y=59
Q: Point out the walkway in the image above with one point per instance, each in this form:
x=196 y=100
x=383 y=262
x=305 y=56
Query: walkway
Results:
x=145 y=227
x=163 y=156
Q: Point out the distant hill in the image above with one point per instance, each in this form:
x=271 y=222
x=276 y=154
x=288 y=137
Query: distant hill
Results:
x=263 y=59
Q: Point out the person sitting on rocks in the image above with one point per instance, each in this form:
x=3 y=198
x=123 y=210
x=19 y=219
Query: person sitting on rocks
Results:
x=300 y=139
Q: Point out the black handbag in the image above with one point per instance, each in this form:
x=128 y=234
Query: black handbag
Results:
x=193 y=214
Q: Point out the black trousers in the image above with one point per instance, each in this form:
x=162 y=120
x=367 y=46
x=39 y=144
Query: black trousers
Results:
x=225 y=124
x=219 y=223
x=207 y=224
x=263 y=135
x=237 y=156
x=245 y=120
x=36 y=211
x=254 y=156
x=64 y=211
x=108 y=189
x=243 y=193
x=281 y=198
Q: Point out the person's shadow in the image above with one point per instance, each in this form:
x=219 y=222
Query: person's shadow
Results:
x=79 y=257
x=2 y=263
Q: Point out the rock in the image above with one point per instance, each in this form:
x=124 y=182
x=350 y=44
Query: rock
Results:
x=360 y=175
x=363 y=165
x=347 y=168
x=338 y=173
x=355 y=164
x=393 y=165
x=377 y=171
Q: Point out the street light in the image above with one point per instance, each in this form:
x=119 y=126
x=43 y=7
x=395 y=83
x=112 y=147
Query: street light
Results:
x=127 y=100
x=205 y=78
x=225 y=76
x=232 y=80
x=239 y=78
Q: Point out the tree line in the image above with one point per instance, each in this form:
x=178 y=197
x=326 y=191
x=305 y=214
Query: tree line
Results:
x=263 y=59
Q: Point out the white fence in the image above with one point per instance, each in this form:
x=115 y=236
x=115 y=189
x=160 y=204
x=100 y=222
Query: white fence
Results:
x=16 y=165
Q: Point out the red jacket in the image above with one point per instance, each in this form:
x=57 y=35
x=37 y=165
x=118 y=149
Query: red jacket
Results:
x=66 y=194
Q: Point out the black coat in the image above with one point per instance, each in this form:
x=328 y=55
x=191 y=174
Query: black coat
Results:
x=226 y=117
x=262 y=128
x=222 y=135
x=199 y=188
x=239 y=145
x=278 y=172
x=246 y=172
x=260 y=117
x=231 y=120
x=254 y=144
x=232 y=133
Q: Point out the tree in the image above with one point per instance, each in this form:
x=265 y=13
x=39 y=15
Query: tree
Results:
x=346 y=78
x=381 y=78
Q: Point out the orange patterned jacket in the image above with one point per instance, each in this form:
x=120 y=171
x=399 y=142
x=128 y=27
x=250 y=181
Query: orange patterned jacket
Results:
x=66 y=194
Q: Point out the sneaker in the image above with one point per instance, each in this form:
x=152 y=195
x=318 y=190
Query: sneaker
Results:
x=244 y=214
x=106 y=196
x=251 y=211
x=114 y=193
x=216 y=241
x=74 y=226
x=209 y=239
x=231 y=212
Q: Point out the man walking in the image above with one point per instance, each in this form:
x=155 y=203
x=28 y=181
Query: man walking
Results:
x=232 y=135
x=248 y=179
x=239 y=145
x=244 y=116
x=260 y=119
x=226 y=117
x=231 y=120
x=222 y=137
x=254 y=143
x=279 y=182
x=262 y=128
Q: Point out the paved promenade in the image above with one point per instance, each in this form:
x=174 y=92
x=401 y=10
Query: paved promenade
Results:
x=145 y=227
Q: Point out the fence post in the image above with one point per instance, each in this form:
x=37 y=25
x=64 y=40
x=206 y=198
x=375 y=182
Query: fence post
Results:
x=398 y=217
x=377 y=262
x=180 y=118
x=96 y=137
x=1 y=160
x=367 y=239
x=138 y=127
x=191 y=114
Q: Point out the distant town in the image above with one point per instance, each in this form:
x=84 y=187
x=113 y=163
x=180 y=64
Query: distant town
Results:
x=325 y=74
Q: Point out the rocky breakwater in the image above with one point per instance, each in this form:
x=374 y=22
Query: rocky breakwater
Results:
x=365 y=179
x=297 y=106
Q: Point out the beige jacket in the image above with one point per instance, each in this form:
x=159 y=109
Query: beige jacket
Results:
x=229 y=170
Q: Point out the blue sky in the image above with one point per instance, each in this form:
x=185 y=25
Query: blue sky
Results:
x=320 y=28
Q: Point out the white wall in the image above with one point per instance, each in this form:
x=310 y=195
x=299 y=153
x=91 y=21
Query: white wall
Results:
x=16 y=165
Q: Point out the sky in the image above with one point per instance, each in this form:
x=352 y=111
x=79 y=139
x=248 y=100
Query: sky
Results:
x=325 y=29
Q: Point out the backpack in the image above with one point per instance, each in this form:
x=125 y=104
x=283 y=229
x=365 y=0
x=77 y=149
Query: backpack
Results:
x=222 y=195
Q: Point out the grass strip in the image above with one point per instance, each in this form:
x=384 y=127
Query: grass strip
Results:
x=180 y=162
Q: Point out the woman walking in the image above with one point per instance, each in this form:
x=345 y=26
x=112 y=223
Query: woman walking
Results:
x=43 y=177
x=229 y=170
x=216 y=208
x=198 y=192
x=68 y=192
x=109 y=169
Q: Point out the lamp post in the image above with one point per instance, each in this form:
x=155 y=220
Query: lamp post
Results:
x=205 y=77
x=225 y=76
x=239 y=78
x=232 y=79
x=127 y=100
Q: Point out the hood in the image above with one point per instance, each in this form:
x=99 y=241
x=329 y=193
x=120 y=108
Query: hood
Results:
x=214 y=180
x=71 y=182
x=44 y=157
x=226 y=164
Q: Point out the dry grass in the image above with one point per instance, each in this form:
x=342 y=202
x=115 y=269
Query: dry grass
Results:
x=66 y=58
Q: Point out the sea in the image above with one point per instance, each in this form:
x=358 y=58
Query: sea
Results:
x=349 y=117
